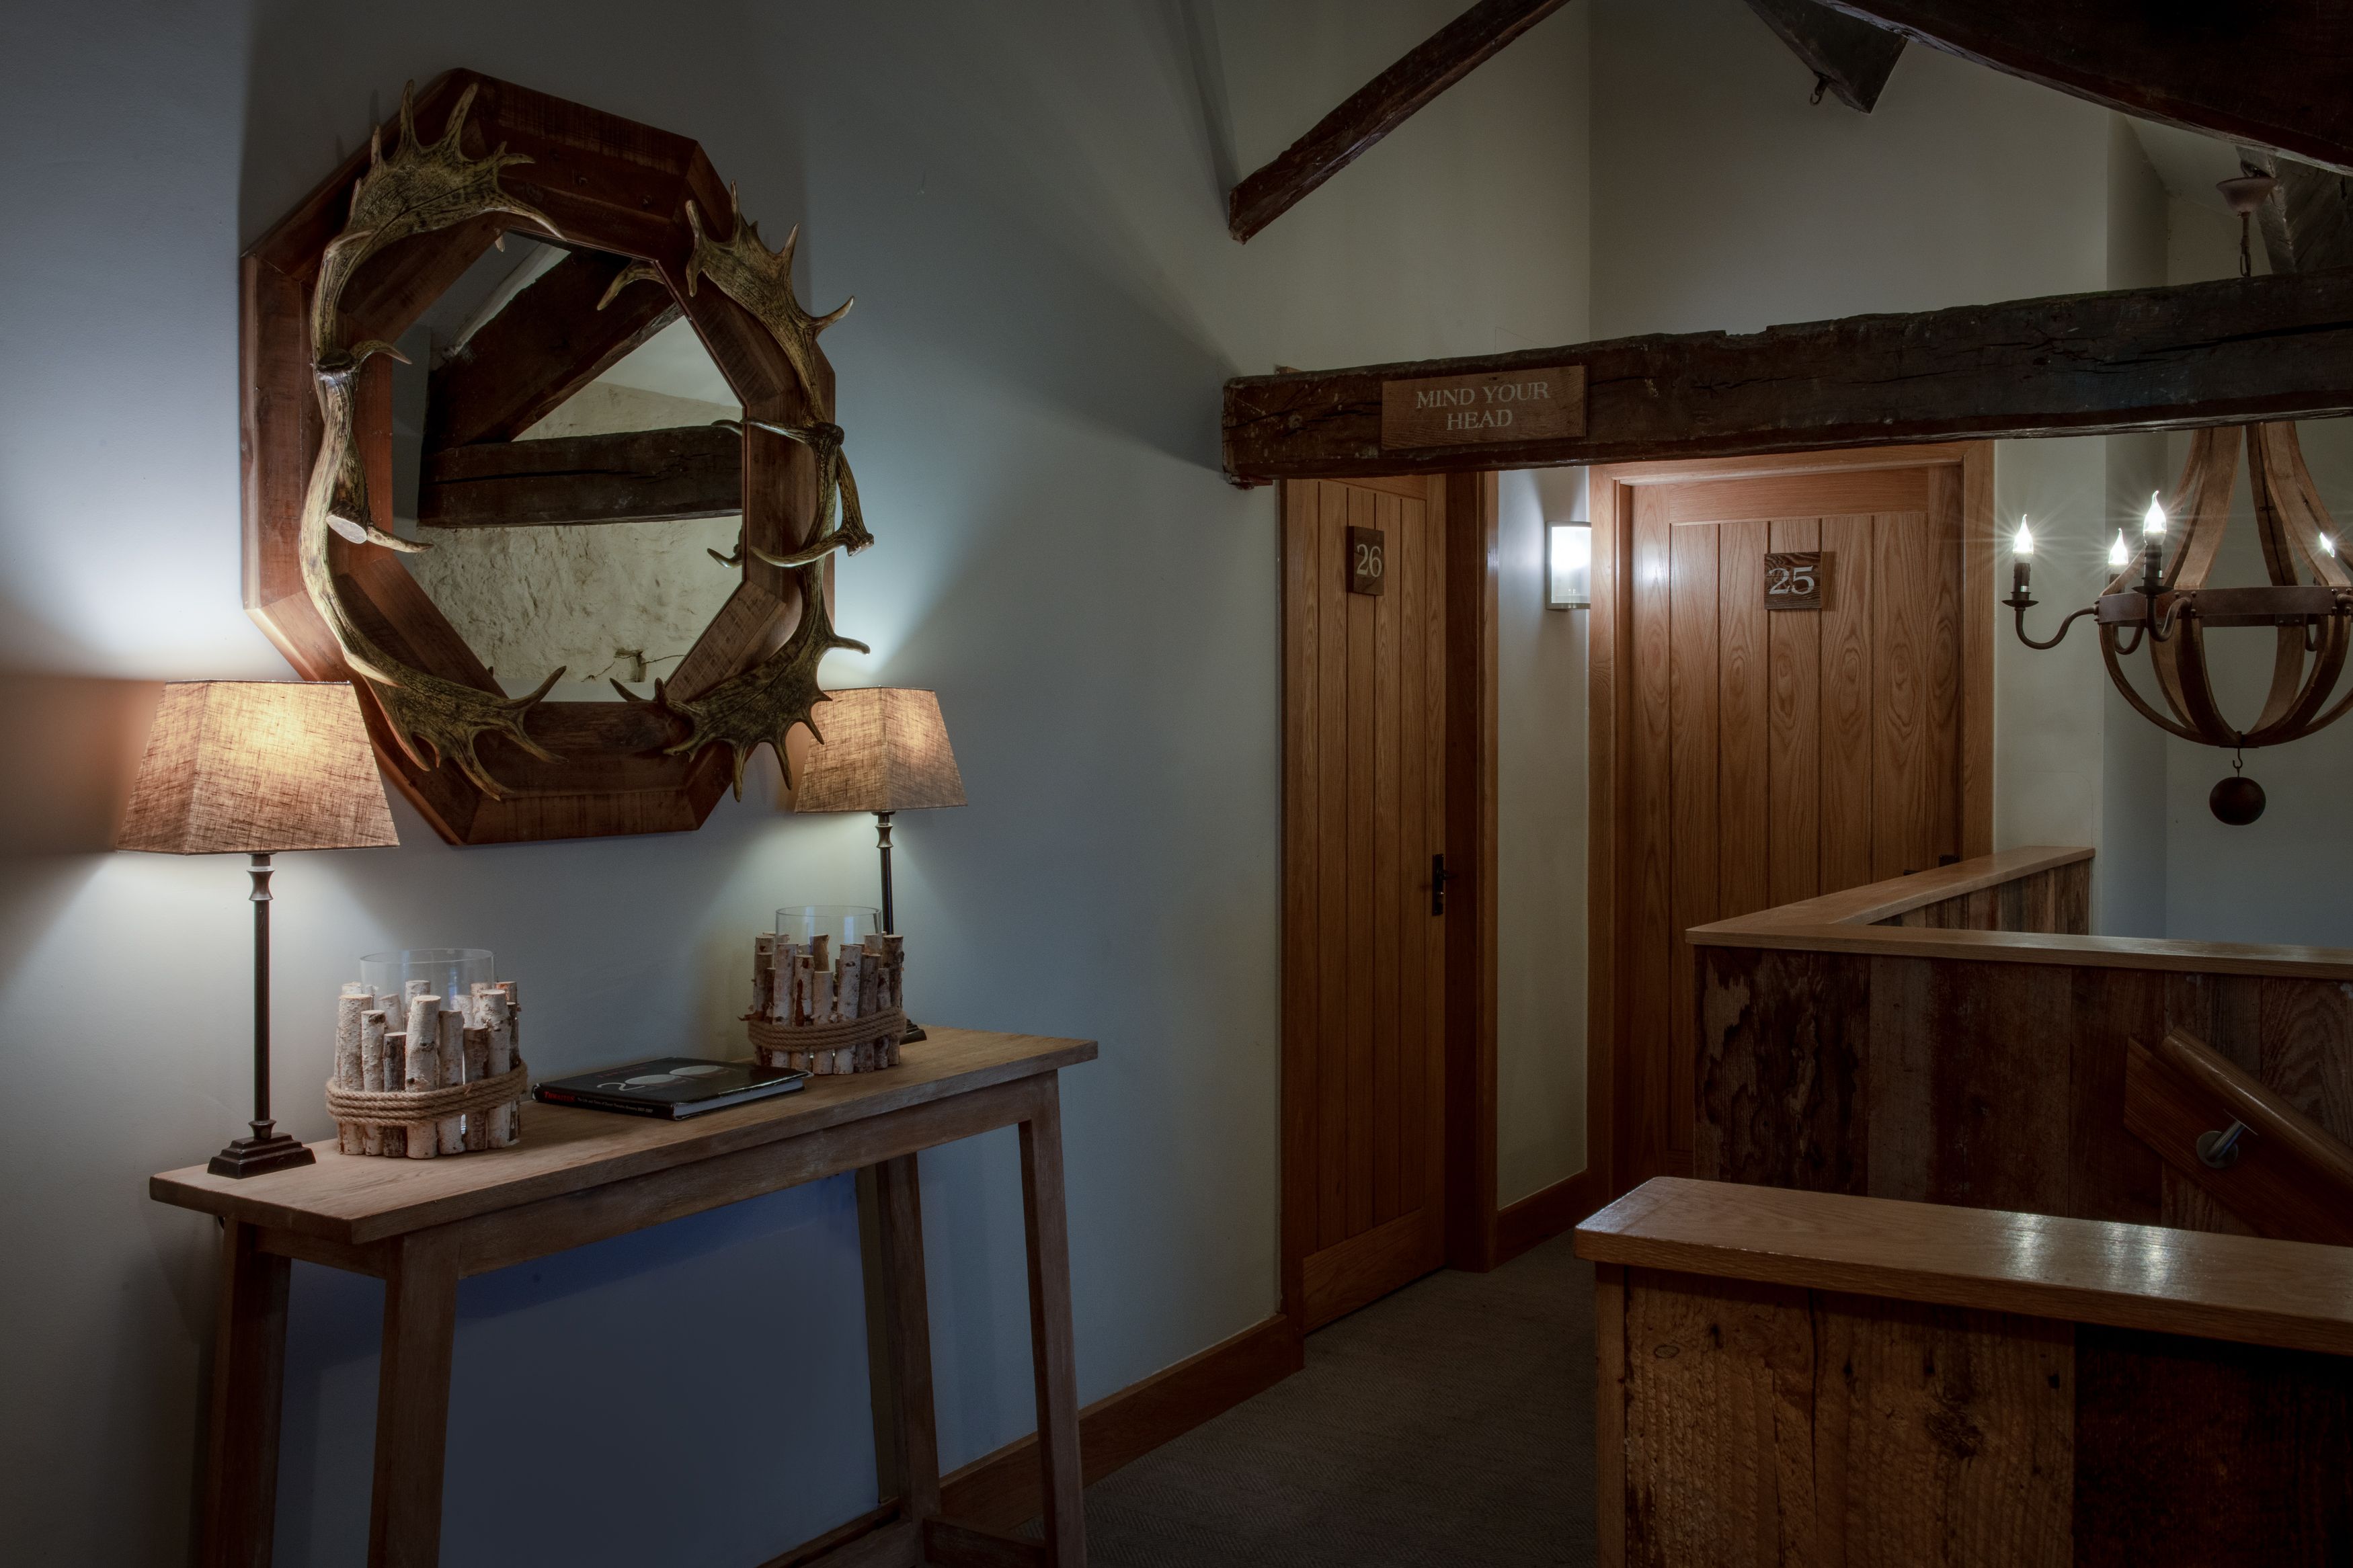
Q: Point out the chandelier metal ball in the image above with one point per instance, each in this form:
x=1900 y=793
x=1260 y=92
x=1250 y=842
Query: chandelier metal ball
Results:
x=2236 y=801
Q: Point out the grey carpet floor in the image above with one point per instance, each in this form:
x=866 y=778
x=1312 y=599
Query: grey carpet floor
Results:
x=1450 y=1423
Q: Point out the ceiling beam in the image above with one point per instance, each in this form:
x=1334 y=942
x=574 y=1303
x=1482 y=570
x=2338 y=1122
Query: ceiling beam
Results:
x=1379 y=107
x=1850 y=58
x=2308 y=220
x=2269 y=73
x=2151 y=359
x=635 y=476
x=549 y=342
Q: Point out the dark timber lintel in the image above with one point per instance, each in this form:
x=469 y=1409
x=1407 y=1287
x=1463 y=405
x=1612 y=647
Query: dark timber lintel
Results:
x=2153 y=359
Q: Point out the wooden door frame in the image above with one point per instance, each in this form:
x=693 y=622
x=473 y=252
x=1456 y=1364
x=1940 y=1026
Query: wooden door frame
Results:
x=1610 y=743
x=1462 y=507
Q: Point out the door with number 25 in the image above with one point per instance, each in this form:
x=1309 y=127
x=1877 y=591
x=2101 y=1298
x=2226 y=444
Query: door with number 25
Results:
x=1792 y=670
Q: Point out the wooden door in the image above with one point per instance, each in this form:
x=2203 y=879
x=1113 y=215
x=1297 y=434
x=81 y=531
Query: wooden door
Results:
x=1761 y=755
x=1364 y=955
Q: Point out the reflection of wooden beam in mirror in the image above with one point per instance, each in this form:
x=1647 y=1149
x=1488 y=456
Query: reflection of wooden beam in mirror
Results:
x=548 y=342
x=632 y=476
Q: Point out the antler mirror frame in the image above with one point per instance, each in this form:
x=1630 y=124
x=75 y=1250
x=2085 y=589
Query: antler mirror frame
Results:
x=324 y=294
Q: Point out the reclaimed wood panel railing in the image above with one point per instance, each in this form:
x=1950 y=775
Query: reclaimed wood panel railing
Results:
x=1802 y=1377
x=1958 y=1037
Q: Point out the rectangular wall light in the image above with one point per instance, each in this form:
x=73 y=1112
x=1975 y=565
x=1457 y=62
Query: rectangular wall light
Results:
x=1568 y=565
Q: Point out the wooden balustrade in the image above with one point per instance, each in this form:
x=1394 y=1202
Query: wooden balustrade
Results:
x=1802 y=1377
x=1956 y=1038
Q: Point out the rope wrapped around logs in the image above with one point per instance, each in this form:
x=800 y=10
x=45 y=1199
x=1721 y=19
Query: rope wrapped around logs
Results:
x=801 y=1046
x=403 y=1108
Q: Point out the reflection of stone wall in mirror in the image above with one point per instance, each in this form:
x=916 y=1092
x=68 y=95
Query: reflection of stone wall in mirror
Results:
x=617 y=600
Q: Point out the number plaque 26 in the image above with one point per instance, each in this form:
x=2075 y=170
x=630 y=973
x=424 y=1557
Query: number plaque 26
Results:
x=1795 y=582
x=1367 y=560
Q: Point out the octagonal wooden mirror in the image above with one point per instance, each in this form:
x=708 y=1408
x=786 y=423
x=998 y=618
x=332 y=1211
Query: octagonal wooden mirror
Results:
x=539 y=452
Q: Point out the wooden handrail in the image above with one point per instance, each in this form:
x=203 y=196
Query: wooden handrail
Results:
x=2241 y=1287
x=2286 y=1178
x=1848 y=921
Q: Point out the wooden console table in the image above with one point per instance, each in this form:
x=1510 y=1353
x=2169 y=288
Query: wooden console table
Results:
x=581 y=1176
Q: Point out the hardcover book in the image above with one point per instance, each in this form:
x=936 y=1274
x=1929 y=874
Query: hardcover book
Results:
x=672 y=1087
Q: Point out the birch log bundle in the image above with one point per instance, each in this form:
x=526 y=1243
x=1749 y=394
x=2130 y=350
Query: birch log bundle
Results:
x=825 y=1011
x=417 y=1076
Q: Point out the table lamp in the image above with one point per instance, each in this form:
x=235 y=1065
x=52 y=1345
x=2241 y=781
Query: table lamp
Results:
x=255 y=767
x=885 y=750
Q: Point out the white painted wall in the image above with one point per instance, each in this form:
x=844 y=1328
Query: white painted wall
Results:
x=1540 y=939
x=1027 y=200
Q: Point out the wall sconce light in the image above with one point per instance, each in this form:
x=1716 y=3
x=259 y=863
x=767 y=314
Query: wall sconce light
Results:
x=1568 y=565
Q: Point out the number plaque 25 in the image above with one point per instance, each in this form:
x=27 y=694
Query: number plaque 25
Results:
x=1795 y=581
x=1367 y=560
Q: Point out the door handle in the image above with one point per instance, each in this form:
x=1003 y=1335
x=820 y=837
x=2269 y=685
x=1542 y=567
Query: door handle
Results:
x=1439 y=876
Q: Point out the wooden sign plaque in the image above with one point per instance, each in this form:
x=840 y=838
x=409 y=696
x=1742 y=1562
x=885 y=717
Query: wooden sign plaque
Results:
x=1478 y=410
x=1367 y=560
x=1796 y=580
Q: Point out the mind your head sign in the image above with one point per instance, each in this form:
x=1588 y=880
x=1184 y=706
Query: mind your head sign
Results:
x=1497 y=406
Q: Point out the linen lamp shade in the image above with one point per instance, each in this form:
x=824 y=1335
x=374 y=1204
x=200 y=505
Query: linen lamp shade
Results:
x=254 y=767
x=885 y=749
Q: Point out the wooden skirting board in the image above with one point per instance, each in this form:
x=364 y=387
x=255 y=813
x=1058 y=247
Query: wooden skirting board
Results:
x=1544 y=1214
x=999 y=1490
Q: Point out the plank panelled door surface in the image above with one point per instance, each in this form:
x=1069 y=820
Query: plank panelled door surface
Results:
x=1364 y=958
x=1766 y=757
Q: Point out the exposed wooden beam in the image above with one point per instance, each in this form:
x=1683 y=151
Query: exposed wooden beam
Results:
x=549 y=343
x=2151 y=359
x=1850 y=58
x=637 y=476
x=2270 y=73
x=2307 y=222
x=1379 y=107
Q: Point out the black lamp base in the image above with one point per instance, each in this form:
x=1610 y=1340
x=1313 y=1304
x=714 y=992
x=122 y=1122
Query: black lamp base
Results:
x=914 y=1032
x=253 y=1156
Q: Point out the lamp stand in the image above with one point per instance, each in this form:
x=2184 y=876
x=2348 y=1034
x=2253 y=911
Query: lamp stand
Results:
x=268 y=1148
x=890 y=922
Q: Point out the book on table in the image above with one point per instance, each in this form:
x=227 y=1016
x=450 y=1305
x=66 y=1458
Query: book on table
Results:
x=672 y=1087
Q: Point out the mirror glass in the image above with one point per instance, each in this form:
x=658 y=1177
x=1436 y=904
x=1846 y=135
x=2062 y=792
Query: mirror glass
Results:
x=569 y=467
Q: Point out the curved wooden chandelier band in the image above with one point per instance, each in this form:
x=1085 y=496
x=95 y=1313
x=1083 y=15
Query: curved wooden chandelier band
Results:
x=2292 y=524
x=2141 y=705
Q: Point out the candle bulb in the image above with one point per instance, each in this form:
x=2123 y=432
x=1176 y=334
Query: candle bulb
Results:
x=2152 y=560
x=2021 y=558
x=2119 y=555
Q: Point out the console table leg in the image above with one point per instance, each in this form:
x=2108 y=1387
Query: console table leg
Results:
x=240 y=1498
x=1052 y=1355
x=412 y=1405
x=898 y=1337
